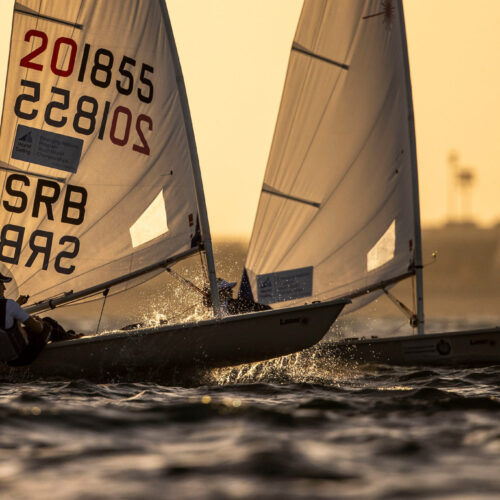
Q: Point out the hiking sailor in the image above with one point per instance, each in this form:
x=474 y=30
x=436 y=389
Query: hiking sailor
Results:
x=230 y=305
x=19 y=345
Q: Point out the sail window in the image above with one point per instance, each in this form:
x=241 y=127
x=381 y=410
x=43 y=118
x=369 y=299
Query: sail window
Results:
x=151 y=224
x=383 y=251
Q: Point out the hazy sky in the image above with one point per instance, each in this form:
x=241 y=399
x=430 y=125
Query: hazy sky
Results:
x=234 y=55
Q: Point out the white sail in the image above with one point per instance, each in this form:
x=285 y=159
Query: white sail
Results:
x=95 y=165
x=336 y=214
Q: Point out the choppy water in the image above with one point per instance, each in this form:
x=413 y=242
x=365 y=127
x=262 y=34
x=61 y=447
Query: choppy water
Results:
x=286 y=429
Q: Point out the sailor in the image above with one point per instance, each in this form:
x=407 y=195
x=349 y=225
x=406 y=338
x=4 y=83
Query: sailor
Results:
x=27 y=341
x=27 y=335
x=230 y=305
x=226 y=295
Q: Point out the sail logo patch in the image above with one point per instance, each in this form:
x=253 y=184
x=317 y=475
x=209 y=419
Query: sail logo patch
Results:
x=285 y=285
x=45 y=148
x=26 y=138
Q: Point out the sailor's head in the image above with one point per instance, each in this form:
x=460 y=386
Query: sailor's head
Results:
x=225 y=291
x=3 y=279
x=225 y=288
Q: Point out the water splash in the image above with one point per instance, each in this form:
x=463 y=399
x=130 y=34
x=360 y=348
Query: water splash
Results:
x=311 y=366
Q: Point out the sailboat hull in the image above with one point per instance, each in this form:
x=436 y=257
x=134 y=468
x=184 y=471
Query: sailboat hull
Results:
x=175 y=352
x=462 y=348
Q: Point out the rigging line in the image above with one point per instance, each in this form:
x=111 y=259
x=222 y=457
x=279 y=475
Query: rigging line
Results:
x=302 y=50
x=105 y=293
x=268 y=189
x=185 y=281
x=373 y=288
x=400 y=305
x=21 y=9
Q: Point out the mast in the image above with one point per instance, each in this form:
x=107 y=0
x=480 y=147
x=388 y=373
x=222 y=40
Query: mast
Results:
x=416 y=200
x=200 y=195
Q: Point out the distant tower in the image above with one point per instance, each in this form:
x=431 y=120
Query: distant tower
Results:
x=461 y=181
x=465 y=181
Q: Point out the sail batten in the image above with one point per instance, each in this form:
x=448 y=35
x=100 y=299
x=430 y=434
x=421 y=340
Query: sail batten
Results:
x=29 y=12
x=270 y=190
x=302 y=50
x=342 y=137
x=9 y=168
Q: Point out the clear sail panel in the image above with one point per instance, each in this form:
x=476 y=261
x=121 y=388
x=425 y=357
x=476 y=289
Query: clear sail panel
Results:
x=337 y=196
x=95 y=167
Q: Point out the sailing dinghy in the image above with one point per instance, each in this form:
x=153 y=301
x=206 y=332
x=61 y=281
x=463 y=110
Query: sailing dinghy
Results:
x=101 y=186
x=339 y=201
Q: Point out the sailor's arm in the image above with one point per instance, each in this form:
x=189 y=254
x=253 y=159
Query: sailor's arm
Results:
x=22 y=299
x=33 y=325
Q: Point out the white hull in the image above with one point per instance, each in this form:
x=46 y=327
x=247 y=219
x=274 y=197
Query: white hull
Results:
x=472 y=347
x=182 y=351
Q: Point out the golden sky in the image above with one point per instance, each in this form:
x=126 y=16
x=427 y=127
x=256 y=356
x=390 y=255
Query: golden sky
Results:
x=234 y=55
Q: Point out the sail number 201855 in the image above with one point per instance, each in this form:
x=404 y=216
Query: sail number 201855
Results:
x=88 y=116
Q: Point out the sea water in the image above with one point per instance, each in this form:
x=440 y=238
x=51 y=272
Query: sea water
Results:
x=299 y=427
